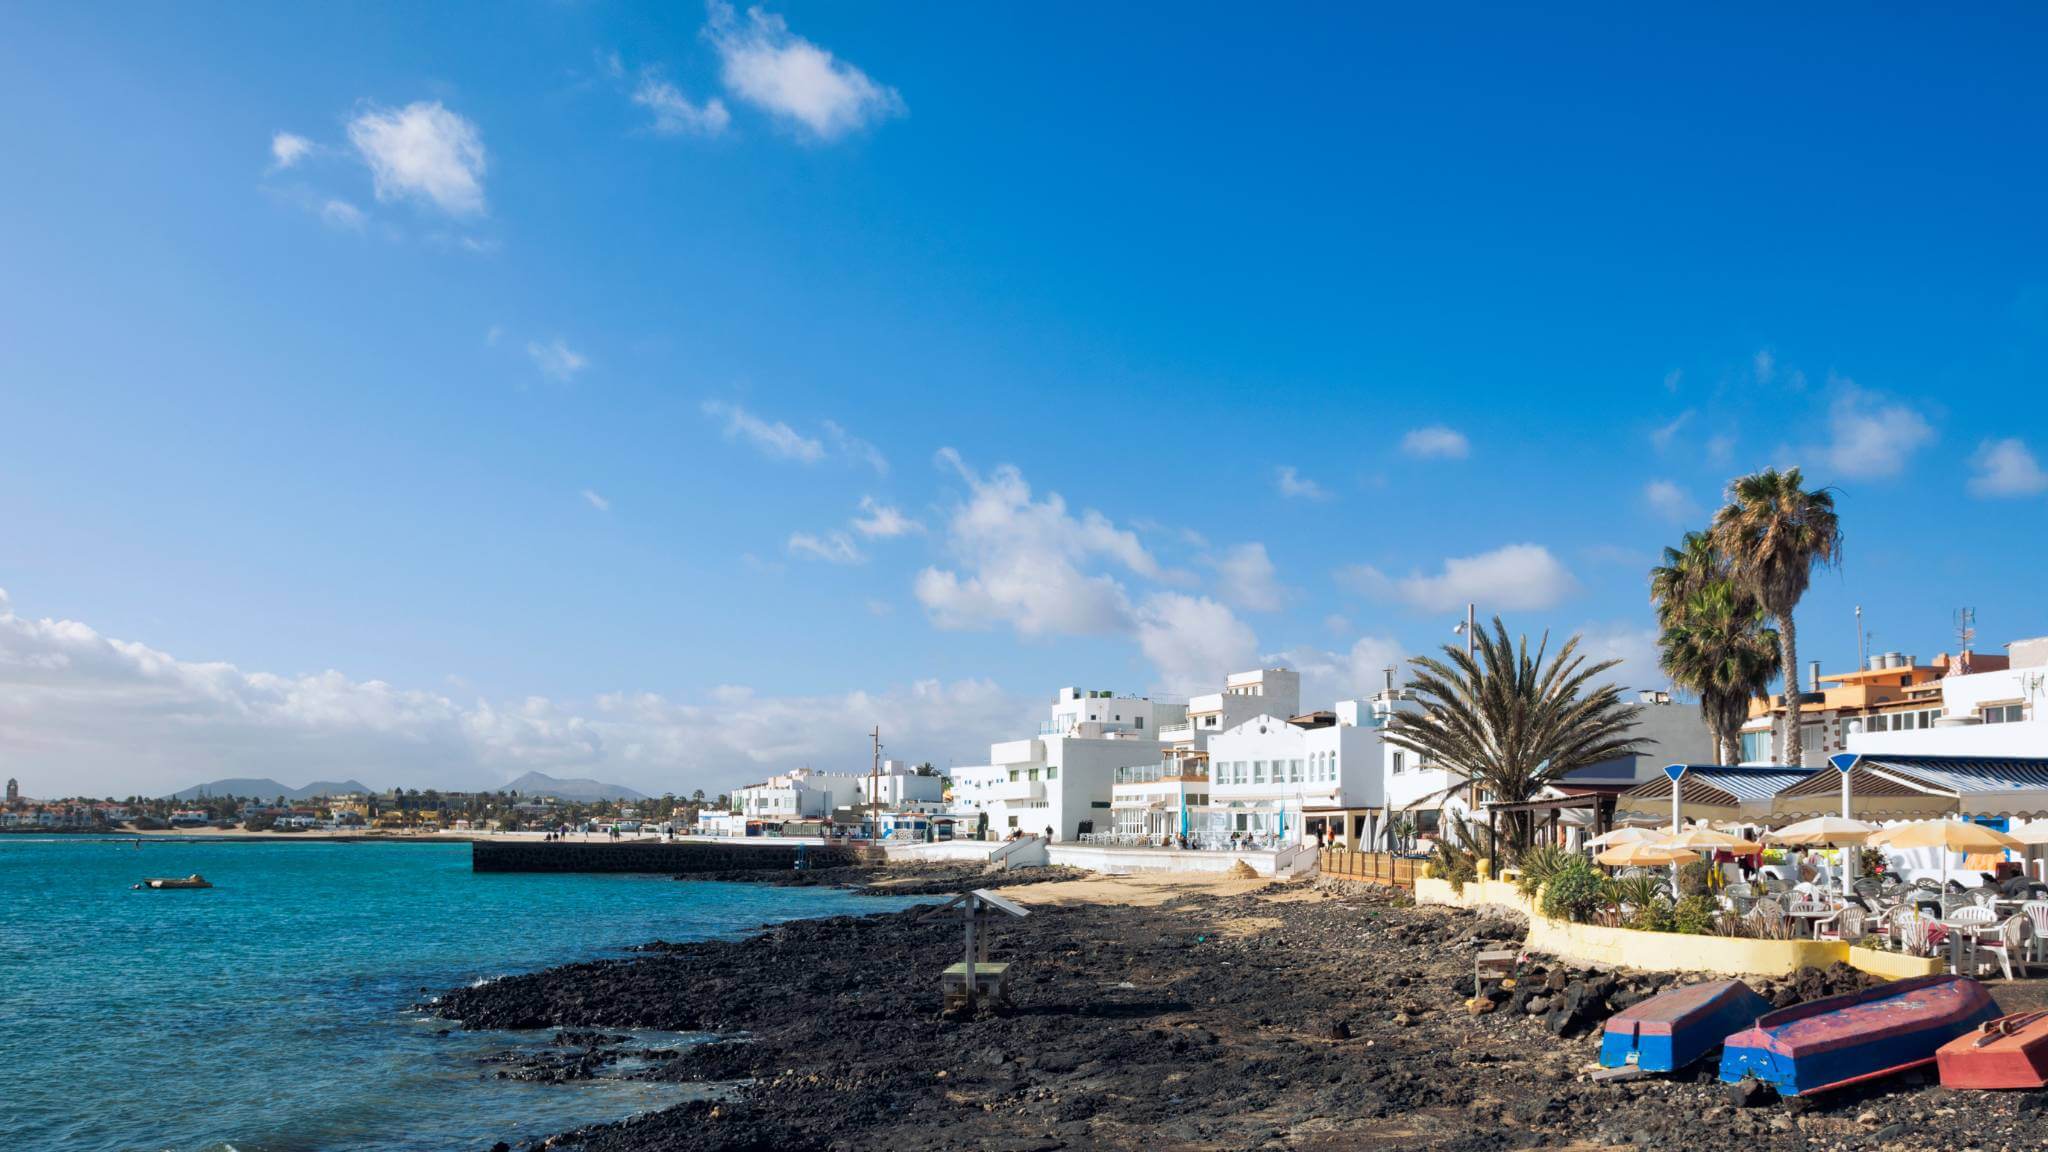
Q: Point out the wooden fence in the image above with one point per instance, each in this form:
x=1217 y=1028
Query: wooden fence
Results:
x=1371 y=867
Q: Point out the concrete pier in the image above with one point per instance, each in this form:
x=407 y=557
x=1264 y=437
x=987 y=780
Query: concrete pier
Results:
x=657 y=857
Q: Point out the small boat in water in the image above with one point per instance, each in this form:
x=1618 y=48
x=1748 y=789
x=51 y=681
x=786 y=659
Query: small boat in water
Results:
x=1842 y=1040
x=1672 y=1029
x=162 y=883
x=2009 y=1052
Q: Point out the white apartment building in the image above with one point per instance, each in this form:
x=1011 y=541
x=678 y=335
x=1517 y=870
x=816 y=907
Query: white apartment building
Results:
x=801 y=794
x=1270 y=775
x=1997 y=712
x=1971 y=704
x=1061 y=778
x=899 y=786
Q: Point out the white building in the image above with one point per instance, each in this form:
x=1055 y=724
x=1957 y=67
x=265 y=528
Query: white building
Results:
x=798 y=795
x=1061 y=778
x=899 y=786
x=1966 y=713
x=1270 y=775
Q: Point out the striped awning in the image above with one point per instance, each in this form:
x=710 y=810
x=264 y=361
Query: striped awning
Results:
x=1712 y=791
x=1890 y=787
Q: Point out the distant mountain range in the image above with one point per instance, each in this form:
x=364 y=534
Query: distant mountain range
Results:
x=542 y=784
x=531 y=784
x=264 y=788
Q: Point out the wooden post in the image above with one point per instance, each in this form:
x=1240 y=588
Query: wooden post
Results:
x=967 y=910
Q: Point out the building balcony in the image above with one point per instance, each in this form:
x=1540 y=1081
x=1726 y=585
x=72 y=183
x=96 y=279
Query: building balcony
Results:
x=1015 y=791
x=1156 y=773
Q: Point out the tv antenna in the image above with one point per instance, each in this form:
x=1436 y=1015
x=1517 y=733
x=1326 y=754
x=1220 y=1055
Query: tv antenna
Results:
x=1966 y=628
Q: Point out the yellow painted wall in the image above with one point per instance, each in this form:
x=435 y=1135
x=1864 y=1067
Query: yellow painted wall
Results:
x=1668 y=951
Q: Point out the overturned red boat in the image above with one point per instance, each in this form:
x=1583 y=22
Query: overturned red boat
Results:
x=2009 y=1052
x=1841 y=1040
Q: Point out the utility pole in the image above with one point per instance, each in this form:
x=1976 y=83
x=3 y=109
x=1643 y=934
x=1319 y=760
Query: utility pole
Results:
x=875 y=786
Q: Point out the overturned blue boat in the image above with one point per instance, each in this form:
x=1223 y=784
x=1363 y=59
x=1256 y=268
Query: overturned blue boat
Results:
x=1843 y=1040
x=1672 y=1029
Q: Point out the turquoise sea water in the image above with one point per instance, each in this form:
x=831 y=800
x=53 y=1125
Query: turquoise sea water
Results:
x=272 y=1012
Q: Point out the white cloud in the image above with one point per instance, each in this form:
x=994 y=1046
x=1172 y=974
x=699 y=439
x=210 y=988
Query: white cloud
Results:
x=1193 y=642
x=556 y=360
x=832 y=547
x=1721 y=448
x=1436 y=442
x=1245 y=577
x=425 y=152
x=1869 y=436
x=1668 y=500
x=80 y=711
x=675 y=114
x=772 y=438
x=287 y=149
x=1518 y=576
x=1661 y=437
x=1632 y=644
x=341 y=214
x=878 y=520
x=1337 y=624
x=766 y=65
x=856 y=449
x=1024 y=560
x=2006 y=468
x=596 y=501
x=1766 y=366
x=1673 y=379
x=1357 y=672
x=1294 y=485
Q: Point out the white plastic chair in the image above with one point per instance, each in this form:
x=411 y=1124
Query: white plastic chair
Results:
x=2010 y=945
x=1973 y=915
x=2036 y=912
x=1845 y=925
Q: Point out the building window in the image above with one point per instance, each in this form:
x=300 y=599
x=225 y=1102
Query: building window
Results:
x=1400 y=763
x=1141 y=722
x=1756 y=746
x=1052 y=773
x=1294 y=771
x=2004 y=713
x=1258 y=771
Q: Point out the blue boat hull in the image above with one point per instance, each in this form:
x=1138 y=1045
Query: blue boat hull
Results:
x=1673 y=1029
x=1841 y=1040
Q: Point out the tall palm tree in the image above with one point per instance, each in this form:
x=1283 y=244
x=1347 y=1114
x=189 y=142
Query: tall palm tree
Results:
x=1775 y=533
x=1718 y=644
x=1714 y=637
x=1511 y=721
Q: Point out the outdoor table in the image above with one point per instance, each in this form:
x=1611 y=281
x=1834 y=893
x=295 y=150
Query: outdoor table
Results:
x=1812 y=917
x=1962 y=945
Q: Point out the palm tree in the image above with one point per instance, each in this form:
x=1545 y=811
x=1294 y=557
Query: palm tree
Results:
x=1775 y=533
x=1714 y=637
x=1510 y=721
x=1718 y=644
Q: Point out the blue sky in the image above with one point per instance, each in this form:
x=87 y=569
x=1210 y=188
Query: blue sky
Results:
x=449 y=391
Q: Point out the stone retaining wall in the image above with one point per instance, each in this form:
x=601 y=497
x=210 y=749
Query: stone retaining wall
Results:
x=650 y=857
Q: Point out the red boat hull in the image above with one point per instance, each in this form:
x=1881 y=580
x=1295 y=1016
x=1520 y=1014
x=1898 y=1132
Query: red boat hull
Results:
x=2009 y=1052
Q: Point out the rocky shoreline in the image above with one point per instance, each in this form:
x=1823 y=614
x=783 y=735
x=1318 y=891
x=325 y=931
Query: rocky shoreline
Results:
x=1291 y=1017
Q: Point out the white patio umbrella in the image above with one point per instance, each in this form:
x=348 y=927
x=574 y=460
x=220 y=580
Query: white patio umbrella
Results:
x=1947 y=835
x=1628 y=836
x=1826 y=831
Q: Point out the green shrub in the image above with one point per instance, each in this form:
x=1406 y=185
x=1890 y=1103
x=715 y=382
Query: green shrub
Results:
x=1573 y=891
x=1638 y=892
x=1692 y=878
x=1695 y=915
x=1539 y=864
x=1455 y=864
x=1656 y=916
